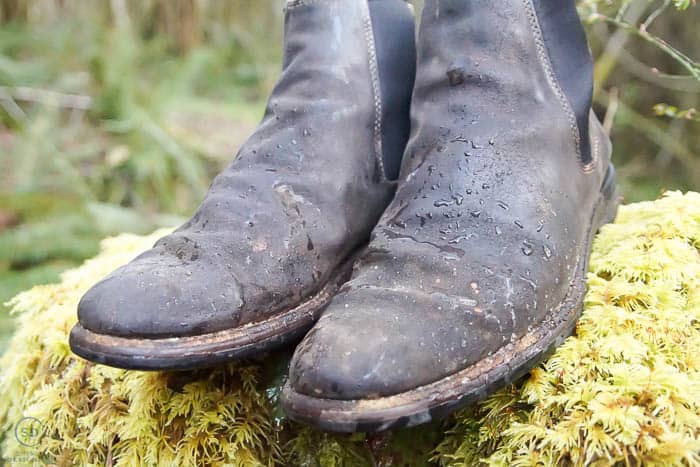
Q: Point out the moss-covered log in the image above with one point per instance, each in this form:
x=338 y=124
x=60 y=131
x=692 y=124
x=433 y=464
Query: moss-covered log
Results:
x=624 y=390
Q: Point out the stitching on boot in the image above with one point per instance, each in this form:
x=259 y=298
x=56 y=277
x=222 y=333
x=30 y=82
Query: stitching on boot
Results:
x=376 y=88
x=551 y=78
x=595 y=152
x=590 y=166
x=596 y=149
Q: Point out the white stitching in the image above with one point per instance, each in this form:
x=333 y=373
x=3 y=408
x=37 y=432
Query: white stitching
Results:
x=552 y=80
x=376 y=88
x=595 y=149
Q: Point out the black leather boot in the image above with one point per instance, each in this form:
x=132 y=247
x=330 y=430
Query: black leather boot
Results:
x=477 y=268
x=278 y=230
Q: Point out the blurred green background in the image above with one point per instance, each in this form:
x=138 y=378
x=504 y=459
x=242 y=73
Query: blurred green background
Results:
x=115 y=114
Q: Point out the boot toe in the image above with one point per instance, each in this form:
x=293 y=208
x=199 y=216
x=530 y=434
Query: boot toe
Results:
x=376 y=342
x=155 y=297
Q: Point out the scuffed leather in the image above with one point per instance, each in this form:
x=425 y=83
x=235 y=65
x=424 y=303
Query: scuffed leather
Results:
x=302 y=194
x=489 y=221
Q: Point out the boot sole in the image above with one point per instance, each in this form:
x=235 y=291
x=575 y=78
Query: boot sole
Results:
x=436 y=400
x=206 y=350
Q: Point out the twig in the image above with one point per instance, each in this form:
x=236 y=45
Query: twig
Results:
x=658 y=135
x=11 y=107
x=611 y=111
x=685 y=61
x=615 y=44
x=655 y=14
x=643 y=71
x=46 y=97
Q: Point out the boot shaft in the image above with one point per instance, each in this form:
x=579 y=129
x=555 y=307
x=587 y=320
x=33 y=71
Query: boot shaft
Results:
x=348 y=60
x=502 y=56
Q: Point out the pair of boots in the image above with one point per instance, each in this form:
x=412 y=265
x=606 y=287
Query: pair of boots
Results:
x=440 y=229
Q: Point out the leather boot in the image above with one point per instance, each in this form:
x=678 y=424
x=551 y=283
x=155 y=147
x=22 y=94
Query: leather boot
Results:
x=477 y=268
x=278 y=230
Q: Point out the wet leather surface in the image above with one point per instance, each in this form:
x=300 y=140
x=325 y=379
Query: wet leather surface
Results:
x=489 y=221
x=302 y=194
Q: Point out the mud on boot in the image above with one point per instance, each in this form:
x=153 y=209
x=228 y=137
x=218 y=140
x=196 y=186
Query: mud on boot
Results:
x=477 y=268
x=278 y=230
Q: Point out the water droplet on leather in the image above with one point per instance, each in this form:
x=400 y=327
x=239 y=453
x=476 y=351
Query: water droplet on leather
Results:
x=485 y=186
x=475 y=213
x=503 y=205
x=498 y=230
x=547 y=251
x=527 y=248
x=441 y=203
x=519 y=224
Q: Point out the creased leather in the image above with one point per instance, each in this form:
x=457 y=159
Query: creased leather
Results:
x=489 y=221
x=304 y=191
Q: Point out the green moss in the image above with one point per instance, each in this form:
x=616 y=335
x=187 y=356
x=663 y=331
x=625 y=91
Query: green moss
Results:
x=625 y=390
x=13 y=282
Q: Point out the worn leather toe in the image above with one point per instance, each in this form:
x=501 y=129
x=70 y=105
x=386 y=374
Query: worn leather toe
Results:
x=159 y=295
x=368 y=343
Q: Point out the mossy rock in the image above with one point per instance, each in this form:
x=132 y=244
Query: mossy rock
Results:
x=625 y=390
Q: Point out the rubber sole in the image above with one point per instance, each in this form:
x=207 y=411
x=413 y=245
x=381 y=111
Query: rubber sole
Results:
x=206 y=350
x=437 y=400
